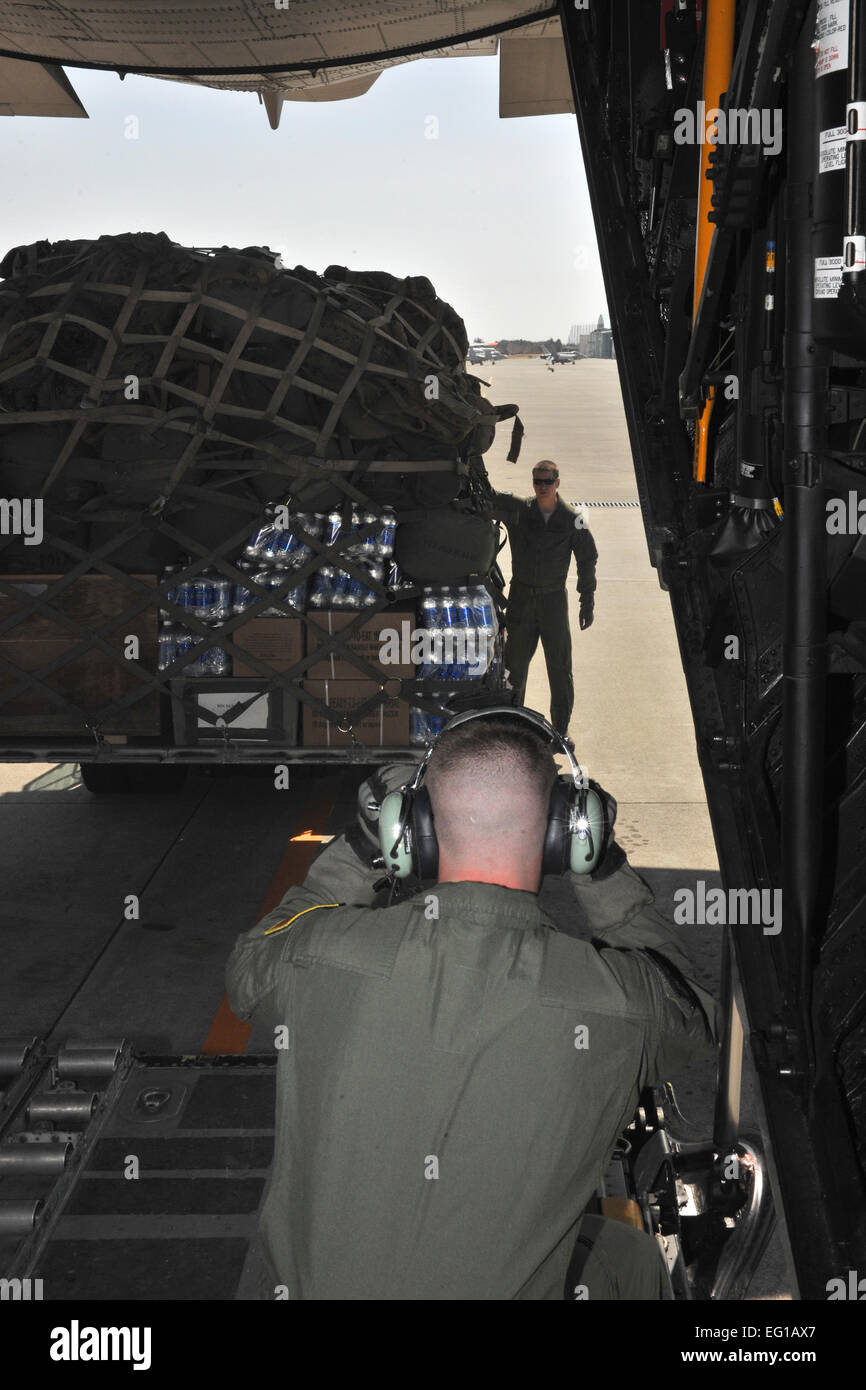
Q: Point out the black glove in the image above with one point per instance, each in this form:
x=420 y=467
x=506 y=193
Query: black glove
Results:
x=586 y=611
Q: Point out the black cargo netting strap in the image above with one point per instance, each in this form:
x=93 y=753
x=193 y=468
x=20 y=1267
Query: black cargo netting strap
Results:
x=157 y=398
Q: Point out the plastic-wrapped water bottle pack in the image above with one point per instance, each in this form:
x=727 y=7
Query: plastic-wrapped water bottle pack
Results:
x=462 y=627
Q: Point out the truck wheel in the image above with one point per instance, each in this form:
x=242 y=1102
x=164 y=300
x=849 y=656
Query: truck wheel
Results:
x=102 y=778
x=156 y=779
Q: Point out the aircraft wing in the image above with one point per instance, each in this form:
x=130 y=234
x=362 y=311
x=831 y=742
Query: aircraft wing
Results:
x=295 y=52
x=36 y=89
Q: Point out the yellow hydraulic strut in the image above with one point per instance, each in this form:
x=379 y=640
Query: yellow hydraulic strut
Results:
x=718 y=59
x=702 y=436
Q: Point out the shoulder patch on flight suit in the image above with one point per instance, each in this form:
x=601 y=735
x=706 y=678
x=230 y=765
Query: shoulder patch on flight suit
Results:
x=581 y=520
x=278 y=926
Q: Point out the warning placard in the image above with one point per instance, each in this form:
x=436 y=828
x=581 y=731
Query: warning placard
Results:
x=832 y=145
x=828 y=277
x=831 y=36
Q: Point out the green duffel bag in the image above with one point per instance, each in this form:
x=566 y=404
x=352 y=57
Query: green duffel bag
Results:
x=445 y=546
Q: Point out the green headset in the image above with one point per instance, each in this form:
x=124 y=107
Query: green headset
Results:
x=579 y=819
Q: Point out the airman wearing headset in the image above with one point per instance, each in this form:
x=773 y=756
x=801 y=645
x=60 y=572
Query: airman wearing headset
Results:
x=456 y=1071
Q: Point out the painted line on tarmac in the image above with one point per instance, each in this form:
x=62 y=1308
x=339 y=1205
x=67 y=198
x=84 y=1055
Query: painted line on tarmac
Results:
x=604 y=504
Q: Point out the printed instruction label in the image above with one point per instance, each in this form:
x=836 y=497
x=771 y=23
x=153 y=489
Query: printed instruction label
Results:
x=256 y=717
x=828 y=277
x=832 y=145
x=831 y=36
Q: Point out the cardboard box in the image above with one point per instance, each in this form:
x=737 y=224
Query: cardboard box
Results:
x=91 y=680
x=271 y=718
x=386 y=726
x=367 y=642
x=278 y=641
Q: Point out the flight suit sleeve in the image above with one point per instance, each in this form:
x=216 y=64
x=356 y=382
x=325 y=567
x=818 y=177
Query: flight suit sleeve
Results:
x=643 y=951
x=504 y=507
x=584 y=550
x=341 y=875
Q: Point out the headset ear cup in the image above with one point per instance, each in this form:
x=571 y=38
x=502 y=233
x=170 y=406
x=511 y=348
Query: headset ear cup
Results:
x=554 y=857
x=585 y=854
x=393 y=819
x=425 y=846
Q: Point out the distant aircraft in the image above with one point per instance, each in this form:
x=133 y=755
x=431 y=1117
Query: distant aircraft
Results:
x=483 y=352
x=565 y=354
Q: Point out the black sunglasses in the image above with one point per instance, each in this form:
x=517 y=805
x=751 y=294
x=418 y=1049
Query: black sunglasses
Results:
x=544 y=482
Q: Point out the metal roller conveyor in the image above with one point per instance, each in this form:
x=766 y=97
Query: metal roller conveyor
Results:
x=66 y=1107
x=89 y=1059
x=18 y=1218
x=13 y=1055
x=30 y=1156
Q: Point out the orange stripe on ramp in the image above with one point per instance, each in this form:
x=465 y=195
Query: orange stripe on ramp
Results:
x=228 y=1034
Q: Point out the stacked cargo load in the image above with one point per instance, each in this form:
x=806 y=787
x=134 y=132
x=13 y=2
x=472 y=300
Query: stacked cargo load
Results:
x=272 y=480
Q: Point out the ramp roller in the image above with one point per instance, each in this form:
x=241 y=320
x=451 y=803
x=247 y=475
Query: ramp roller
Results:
x=33 y=1158
x=67 y=1107
x=13 y=1055
x=17 y=1218
x=77 y=1059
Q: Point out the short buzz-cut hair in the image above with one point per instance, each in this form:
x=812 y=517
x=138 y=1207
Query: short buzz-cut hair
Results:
x=499 y=743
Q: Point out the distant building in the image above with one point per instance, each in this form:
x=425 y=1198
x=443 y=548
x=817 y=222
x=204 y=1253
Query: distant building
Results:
x=591 y=340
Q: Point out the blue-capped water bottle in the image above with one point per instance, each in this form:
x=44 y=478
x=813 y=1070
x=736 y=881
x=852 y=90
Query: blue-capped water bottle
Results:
x=368 y=596
x=447 y=608
x=355 y=591
x=485 y=609
x=223 y=604
x=312 y=525
x=464 y=634
x=431 y=617
x=278 y=547
x=323 y=584
x=260 y=539
x=171 y=592
x=340 y=589
x=186 y=594
x=385 y=534
x=429 y=607
x=242 y=599
x=465 y=610
x=487 y=626
x=452 y=667
x=190 y=646
x=417 y=727
x=333 y=527
x=183 y=644
x=294 y=597
x=266 y=579
x=167 y=644
x=204 y=591
x=368 y=546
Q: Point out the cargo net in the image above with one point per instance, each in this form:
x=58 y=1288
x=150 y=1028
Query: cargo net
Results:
x=205 y=433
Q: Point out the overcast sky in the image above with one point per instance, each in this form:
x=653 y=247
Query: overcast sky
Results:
x=495 y=212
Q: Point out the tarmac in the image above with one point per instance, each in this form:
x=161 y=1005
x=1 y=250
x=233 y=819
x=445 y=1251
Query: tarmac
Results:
x=207 y=862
